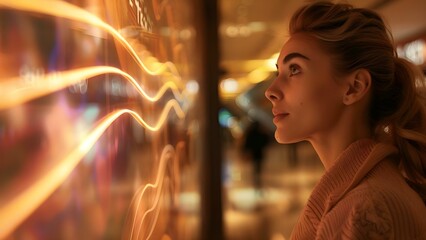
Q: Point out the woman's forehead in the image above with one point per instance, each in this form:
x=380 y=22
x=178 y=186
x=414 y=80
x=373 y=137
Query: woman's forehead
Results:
x=301 y=43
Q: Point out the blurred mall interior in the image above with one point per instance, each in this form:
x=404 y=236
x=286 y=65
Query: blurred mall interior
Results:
x=129 y=119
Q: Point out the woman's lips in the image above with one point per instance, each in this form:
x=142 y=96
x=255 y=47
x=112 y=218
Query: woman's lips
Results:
x=279 y=117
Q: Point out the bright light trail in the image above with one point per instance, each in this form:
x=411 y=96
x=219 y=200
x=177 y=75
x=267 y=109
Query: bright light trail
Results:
x=15 y=211
x=69 y=11
x=16 y=91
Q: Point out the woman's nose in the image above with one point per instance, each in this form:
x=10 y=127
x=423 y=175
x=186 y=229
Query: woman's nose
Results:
x=271 y=94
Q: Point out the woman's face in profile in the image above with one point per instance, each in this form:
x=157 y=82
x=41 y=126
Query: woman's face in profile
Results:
x=306 y=97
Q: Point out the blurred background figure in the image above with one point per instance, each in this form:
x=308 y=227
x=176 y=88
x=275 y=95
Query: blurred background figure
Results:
x=255 y=141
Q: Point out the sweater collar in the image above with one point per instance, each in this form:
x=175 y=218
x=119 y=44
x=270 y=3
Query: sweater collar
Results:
x=349 y=169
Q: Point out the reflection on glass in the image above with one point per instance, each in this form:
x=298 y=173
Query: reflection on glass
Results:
x=96 y=131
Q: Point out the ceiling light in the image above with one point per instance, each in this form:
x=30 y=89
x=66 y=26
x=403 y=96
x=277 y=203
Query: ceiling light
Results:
x=229 y=85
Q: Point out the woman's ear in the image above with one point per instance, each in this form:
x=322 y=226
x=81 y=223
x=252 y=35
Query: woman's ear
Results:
x=357 y=85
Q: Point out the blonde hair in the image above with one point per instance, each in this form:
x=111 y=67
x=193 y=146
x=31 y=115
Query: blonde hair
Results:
x=358 y=38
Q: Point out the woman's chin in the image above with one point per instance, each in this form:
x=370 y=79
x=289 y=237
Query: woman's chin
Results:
x=283 y=139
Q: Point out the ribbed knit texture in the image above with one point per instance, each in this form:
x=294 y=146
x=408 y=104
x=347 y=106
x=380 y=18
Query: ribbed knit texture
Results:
x=363 y=196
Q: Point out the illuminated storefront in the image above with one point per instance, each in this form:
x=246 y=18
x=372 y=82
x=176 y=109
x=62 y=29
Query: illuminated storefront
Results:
x=101 y=123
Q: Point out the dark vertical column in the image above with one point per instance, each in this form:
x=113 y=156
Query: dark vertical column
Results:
x=211 y=162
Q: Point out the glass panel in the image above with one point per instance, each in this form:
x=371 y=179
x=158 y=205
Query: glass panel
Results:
x=96 y=136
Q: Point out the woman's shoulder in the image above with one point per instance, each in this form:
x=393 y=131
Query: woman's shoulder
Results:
x=370 y=213
x=382 y=204
x=385 y=185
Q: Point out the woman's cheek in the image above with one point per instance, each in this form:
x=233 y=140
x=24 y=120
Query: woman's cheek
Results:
x=314 y=101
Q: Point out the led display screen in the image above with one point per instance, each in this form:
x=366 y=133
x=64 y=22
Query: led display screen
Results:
x=98 y=119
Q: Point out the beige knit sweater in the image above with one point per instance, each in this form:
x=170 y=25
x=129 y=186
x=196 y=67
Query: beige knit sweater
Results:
x=363 y=196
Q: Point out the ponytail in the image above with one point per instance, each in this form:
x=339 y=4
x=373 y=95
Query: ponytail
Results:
x=406 y=126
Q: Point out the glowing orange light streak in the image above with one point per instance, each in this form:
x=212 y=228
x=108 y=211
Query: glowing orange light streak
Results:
x=15 y=91
x=15 y=211
x=155 y=218
x=72 y=12
x=166 y=154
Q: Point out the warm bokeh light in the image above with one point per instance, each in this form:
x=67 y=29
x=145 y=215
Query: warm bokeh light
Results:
x=229 y=85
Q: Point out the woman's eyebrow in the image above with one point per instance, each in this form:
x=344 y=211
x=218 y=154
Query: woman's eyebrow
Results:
x=294 y=55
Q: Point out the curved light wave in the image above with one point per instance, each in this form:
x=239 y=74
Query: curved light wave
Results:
x=166 y=154
x=15 y=211
x=69 y=11
x=15 y=91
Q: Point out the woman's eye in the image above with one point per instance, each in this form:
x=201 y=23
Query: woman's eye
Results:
x=294 y=69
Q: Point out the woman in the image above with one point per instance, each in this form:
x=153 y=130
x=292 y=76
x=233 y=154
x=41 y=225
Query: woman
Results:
x=341 y=86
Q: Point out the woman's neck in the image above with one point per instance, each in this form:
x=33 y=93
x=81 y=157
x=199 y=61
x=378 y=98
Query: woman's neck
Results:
x=331 y=144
